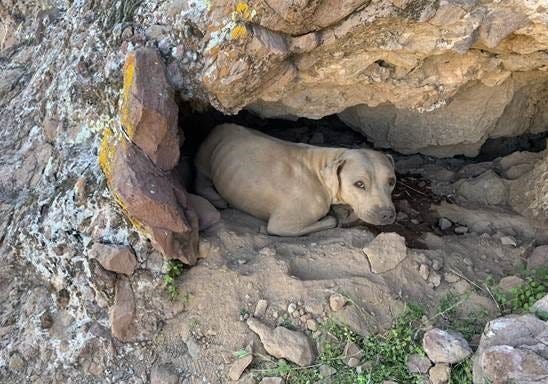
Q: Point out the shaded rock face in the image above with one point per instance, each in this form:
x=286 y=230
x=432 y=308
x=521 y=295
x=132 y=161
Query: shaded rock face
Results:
x=438 y=77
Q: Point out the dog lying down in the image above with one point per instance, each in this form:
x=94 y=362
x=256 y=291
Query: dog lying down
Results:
x=293 y=186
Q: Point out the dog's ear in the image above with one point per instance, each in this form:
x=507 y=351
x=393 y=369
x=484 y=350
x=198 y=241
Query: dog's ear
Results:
x=391 y=159
x=331 y=175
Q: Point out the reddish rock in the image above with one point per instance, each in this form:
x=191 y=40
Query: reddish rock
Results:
x=156 y=203
x=114 y=258
x=123 y=311
x=149 y=112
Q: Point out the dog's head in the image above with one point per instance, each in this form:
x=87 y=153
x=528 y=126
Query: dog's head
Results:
x=363 y=179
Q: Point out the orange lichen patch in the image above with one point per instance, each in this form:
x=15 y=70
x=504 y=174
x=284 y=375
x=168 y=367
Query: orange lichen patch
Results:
x=107 y=150
x=243 y=11
x=239 y=32
x=129 y=78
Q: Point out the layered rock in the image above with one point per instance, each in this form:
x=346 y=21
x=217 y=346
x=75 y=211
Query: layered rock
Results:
x=137 y=165
x=438 y=77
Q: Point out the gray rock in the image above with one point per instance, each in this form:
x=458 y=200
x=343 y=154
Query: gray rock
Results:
x=538 y=258
x=461 y=230
x=260 y=308
x=337 y=302
x=540 y=305
x=509 y=282
x=239 y=365
x=445 y=346
x=326 y=371
x=352 y=354
x=385 y=252
x=512 y=349
x=486 y=189
x=418 y=364
x=508 y=240
x=440 y=374
x=444 y=223
x=283 y=343
x=272 y=380
x=163 y=374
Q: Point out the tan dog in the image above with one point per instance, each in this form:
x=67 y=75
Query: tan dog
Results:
x=293 y=185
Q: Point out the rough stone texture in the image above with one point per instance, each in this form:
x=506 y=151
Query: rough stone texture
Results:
x=283 y=343
x=440 y=374
x=337 y=302
x=445 y=346
x=512 y=349
x=163 y=374
x=538 y=258
x=114 y=258
x=438 y=77
x=418 y=363
x=529 y=193
x=239 y=365
x=148 y=112
x=385 y=252
x=155 y=201
x=135 y=169
x=61 y=65
x=122 y=314
x=540 y=305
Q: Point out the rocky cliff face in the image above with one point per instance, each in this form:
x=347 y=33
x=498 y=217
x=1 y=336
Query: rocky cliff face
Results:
x=437 y=77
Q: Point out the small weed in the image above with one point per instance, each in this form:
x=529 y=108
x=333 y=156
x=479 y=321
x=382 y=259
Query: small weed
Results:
x=241 y=353
x=244 y=312
x=461 y=373
x=521 y=298
x=174 y=270
x=469 y=325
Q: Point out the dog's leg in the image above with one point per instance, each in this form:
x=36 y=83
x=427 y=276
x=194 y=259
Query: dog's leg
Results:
x=205 y=188
x=278 y=225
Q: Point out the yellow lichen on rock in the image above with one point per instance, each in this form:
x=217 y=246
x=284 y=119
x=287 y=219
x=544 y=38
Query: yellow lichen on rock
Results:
x=129 y=78
x=107 y=151
x=239 y=32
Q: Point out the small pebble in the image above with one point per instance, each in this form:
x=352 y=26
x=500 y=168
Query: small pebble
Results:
x=444 y=223
x=508 y=240
x=461 y=230
x=292 y=307
x=424 y=271
x=312 y=325
x=260 y=308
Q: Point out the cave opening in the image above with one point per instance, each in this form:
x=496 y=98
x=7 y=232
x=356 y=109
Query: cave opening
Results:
x=422 y=181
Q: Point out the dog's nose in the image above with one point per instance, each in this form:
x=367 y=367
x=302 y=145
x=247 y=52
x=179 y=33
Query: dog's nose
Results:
x=387 y=215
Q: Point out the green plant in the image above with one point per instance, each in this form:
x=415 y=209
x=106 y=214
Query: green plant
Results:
x=461 y=373
x=521 y=298
x=174 y=270
x=468 y=324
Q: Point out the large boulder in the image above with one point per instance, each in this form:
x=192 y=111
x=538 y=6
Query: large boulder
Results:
x=512 y=349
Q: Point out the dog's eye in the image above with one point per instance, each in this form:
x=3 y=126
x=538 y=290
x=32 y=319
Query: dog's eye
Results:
x=391 y=181
x=360 y=184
